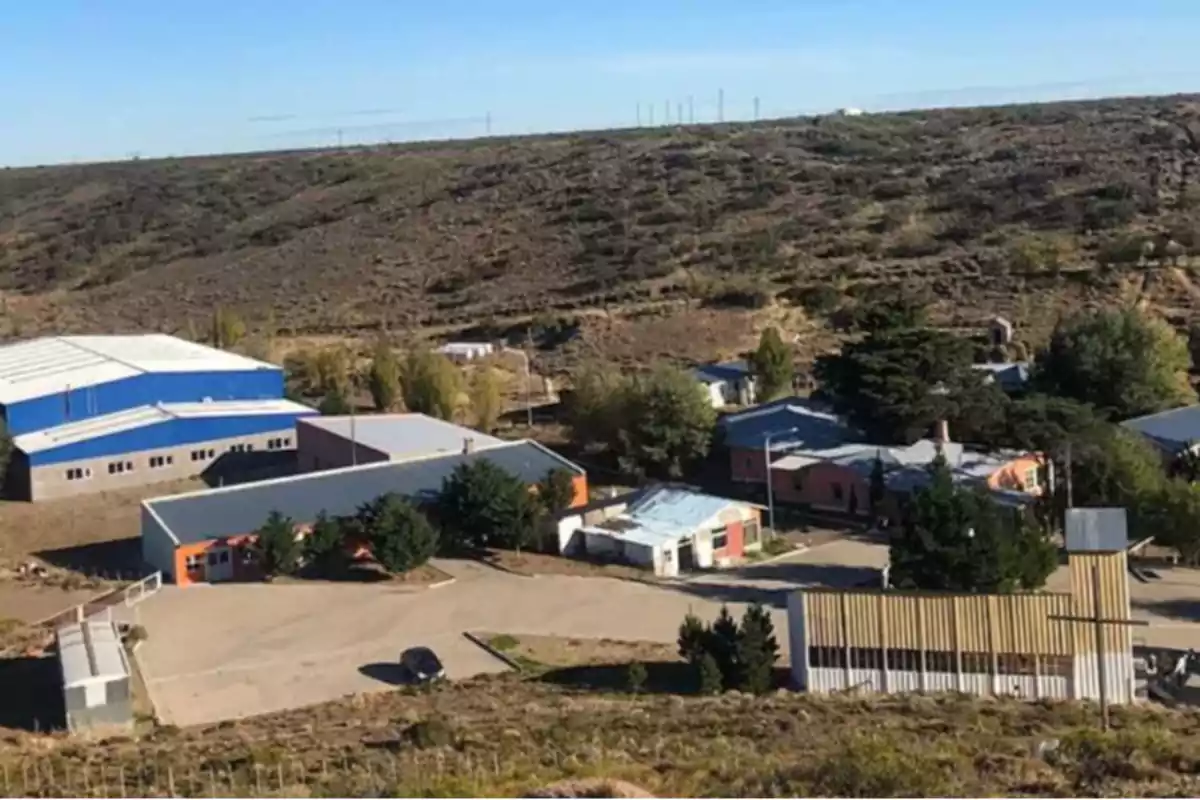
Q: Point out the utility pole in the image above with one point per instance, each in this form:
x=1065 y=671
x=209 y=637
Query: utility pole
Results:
x=756 y=109
x=339 y=138
x=639 y=115
x=488 y=123
x=667 y=112
x=691 y=111
x=1098 y=623
x=767 y=468
x=720 y=105
x=650 y=107
x=1070 y=483
x=679 y=113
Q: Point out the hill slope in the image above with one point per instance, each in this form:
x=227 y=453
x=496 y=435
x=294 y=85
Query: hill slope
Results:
x=995 y=210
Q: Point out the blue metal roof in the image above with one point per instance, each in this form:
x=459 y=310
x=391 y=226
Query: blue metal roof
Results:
x=1173 y=430
x=817 y=428
x=725 y=371
x=677 y=507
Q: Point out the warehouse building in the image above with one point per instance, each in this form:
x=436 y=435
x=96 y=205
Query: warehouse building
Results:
x=95 y=677
x=208 y=536
x=92 y=413
x=345 y=441
x=1031 y=645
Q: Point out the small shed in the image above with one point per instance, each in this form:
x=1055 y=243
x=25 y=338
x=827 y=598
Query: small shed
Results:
x=1000 y=332
x=96 y=677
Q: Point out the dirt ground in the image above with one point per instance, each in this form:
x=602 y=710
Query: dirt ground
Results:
x=543 y=564
x=565 y=651
x=90 y=533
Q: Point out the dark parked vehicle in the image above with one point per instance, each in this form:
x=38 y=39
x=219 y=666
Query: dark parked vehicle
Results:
x=421 y=665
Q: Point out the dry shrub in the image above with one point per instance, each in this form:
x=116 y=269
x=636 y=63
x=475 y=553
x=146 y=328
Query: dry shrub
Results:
x=591 y=787
x=875 y=765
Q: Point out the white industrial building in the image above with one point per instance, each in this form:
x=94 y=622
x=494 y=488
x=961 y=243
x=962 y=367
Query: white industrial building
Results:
x=96 y=687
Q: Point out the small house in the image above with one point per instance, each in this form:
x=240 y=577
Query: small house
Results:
x=727 y=384
x=671 y=531
x=1173 y=432
x=466 y=351
x=1000 y=332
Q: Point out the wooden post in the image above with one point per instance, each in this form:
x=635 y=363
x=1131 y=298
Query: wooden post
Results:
x=279 y=773
x=121 y=782
x=258 y=778
x=923 y=644
x=171 y=780
x=993 y=657
x=883 y=650
x=845 y=632
x=958 y=661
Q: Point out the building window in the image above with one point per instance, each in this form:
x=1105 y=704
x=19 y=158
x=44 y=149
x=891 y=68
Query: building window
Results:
x=287 y=441
x=751 y=532
x=160 y=461
x=212 y=453
x=720 y=539
x=198 y=455
x=117 y=467
x=838 y=493
x=798 y=481
x=1031 y=478
x=79 y=473
x=194 y=563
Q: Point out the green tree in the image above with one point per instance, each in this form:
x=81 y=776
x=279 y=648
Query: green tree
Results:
x=878 y=486
x=901 y=312
x=486 y=393
x=956 y=539
x=334 y=403
x=401 y=537
x=667 y=424
x=325 y=546
x=430 y=384
x=896 y=383
x=757 y=651
x=278 y=550
x=693 y=639
x=709 y=674
x=722 y=644
x=1125 y=363
x=1174 y=516
x=597 y=399
x=773 y=366
x=636 y=676
x=482 y=505
x=227 y=328
x=383 y=376
x=556 y=491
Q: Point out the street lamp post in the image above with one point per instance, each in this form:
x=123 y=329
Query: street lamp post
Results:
x=767 y=472
x=528 y=398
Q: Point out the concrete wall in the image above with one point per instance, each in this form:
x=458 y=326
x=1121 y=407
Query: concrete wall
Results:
x=317 y=449
x=51 y=481
x=115 y=713
x=828 y=487
x=77 y=403
x=158 y=548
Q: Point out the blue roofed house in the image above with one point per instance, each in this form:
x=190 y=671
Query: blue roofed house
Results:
x=729 y=383
x=783 y=426
x=1011 y=377
x=1173 y=432
x=672 y=530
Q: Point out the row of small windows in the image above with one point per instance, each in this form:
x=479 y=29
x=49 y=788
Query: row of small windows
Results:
x=158 y=462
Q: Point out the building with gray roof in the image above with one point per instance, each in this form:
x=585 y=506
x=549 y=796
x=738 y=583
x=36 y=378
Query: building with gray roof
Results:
x=1173 y=432
x=207 y=536
x=345 y=441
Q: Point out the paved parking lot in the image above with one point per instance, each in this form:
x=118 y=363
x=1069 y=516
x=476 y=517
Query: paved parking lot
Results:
x=223 y=652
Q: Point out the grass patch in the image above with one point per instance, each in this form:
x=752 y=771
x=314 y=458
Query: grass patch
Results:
x=503 y=642
x=777 y=546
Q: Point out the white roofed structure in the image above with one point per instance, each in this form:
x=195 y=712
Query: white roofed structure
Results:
x=41 y=367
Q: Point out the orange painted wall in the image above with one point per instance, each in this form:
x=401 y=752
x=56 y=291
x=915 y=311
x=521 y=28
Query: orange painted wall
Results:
x=581 y=491
x=1012 y=475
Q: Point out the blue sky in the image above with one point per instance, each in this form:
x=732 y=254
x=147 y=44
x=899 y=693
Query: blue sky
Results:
x=91 y=79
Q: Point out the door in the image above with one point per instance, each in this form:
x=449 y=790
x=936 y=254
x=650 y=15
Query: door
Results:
x=687 y=556
x=220 y=564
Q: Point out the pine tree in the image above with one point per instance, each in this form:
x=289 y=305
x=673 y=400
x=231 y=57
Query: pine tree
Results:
x=693 y=638
x=757 y=651
x=773 y=366
x=709 y=674
x=324 y=546
x=278 y=550
x=383 y=378
x=723 y=645
x=636 y=677
x=400 y=536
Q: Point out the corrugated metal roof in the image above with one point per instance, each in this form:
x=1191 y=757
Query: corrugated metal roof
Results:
x=725 y=371
x=235 y=510
x=1173 y=430
x=45 y=366
x=677 y=507
x=404 y=436
x=143 y=416
x=815 y=426
x=1096 y=530
x=91 y=652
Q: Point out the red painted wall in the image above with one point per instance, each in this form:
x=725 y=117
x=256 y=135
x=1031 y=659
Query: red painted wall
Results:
x=746 y=465
x=735 y=545
x=817 y=487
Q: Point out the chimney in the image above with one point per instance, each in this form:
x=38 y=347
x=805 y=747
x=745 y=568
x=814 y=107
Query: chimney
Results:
x=468 y=445
x=941 y=431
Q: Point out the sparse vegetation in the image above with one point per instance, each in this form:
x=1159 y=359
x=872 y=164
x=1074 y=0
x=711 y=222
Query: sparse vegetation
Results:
x=277 y=547
x=430 y=384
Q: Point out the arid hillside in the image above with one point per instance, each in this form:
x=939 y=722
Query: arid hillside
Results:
x=1023 y=210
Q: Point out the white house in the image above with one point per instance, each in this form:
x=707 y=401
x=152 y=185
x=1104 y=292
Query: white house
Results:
x=466 y=351
x=727 y=384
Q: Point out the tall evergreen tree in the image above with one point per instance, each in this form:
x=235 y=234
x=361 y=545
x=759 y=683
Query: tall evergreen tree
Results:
x=723 y=645
x=483 y=505
x=773 y=366
x=757 y=651
x=278 y=550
